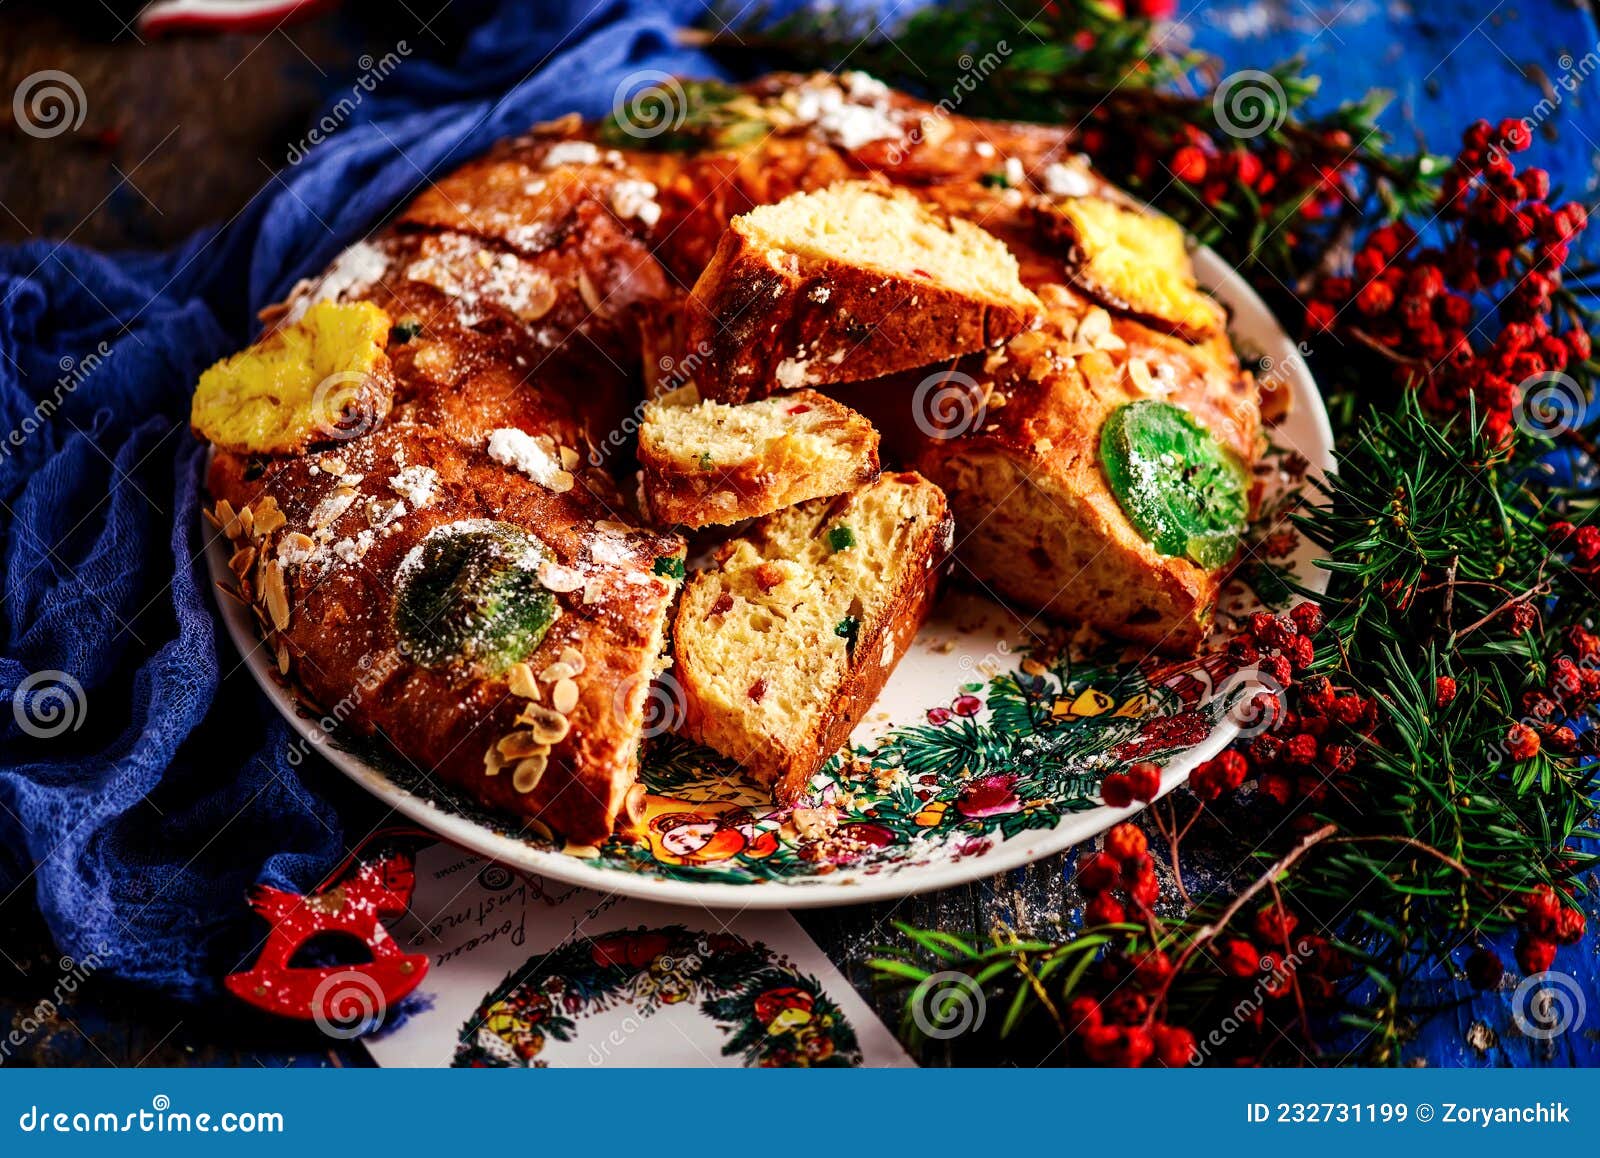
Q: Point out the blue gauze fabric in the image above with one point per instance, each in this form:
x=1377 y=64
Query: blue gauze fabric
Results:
x=140 y=808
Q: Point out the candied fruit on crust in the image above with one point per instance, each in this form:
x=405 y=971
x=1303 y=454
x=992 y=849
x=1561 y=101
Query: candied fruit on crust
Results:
x=325 y=377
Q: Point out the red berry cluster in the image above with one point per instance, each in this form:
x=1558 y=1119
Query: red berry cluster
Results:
x=1140 y=782
x=1114 y=1031
x=1219 y=168
x=1120 y=1028
x=1546 y=922
x=1281 y=957
x=1123 y=1026
x=1414 y=303
x=1124 y=863
x=1573 y=690
x=1580 y=545
x=1315 y=729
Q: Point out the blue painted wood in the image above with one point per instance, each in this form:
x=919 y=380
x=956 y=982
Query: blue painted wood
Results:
x=1446 y=62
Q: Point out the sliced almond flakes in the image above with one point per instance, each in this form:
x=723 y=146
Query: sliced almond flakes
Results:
x=520 y=677
x=548 y=727
x=529 y=772
x=520 y=745
x=556 y=672
x=276 y=597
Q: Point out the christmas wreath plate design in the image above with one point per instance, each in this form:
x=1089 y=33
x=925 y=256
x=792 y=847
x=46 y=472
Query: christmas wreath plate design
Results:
x=770 y=1014
x=981 y=755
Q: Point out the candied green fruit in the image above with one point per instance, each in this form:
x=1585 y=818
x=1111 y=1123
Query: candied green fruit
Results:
x=1181 y=489
x=468 y=597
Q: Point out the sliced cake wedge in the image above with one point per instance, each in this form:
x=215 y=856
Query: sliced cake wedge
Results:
x=707 y=463
x=785 y=643
x=844 y=285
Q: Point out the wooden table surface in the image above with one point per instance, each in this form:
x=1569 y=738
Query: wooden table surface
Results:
x=1448 y=61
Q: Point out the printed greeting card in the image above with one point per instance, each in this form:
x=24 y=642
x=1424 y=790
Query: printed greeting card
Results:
x=528 y=972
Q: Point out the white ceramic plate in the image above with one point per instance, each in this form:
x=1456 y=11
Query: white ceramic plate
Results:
x=981 y=759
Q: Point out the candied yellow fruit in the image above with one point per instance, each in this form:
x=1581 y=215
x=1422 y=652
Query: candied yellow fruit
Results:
x=325 y=377
x=1137 y=262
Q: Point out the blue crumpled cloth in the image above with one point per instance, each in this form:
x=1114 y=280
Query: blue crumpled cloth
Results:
x=141 y=793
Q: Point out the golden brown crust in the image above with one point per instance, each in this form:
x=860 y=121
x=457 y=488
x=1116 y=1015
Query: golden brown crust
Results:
x=1013 y=438
x=342 y=648
x=815 y=447
x=769 y=322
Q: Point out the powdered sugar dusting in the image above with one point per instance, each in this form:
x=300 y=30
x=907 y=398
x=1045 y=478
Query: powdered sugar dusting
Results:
x=633 y=198
x=356 y=268
x=791 y=373
x=521 y=451
x=472 y=276
x=417 y=485
x=572 y=153
x=1066 y=180
x=850 y=117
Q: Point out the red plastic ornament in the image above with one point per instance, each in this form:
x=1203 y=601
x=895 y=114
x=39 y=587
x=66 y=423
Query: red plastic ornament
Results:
x=346 y=998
